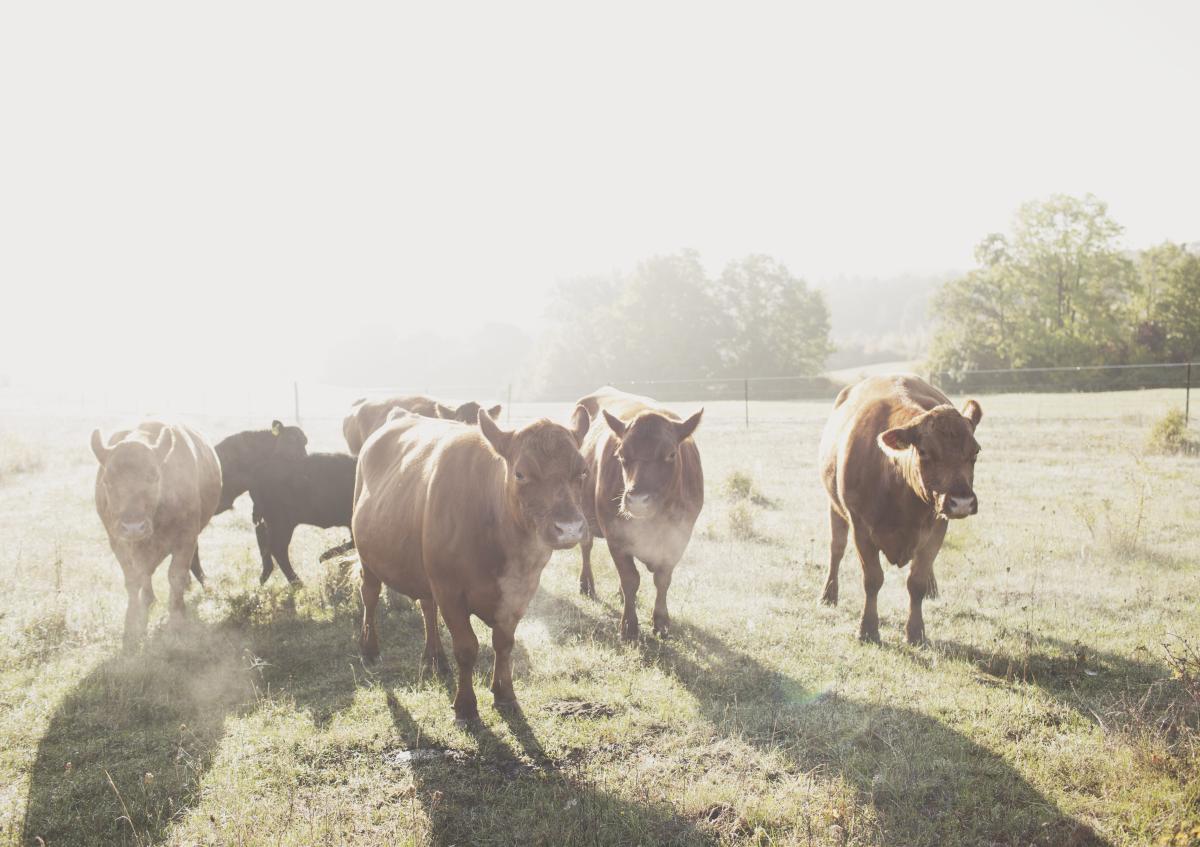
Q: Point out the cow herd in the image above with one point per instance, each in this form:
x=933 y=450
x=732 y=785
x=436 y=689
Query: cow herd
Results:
x=452 y=510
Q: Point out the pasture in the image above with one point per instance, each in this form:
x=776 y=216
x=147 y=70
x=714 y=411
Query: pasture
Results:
x=1047 y=709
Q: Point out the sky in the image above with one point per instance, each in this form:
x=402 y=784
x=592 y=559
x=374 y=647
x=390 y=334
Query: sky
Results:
x=232 y=188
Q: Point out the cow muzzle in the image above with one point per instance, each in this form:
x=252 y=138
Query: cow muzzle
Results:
x=637 y=505
x=957 y=506
x=568 y=533
x=138 y=530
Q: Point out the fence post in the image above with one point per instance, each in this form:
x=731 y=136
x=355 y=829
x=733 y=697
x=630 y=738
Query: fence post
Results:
x=1187 y=397
x=296 y=400
x=746 y=399
x=508 y=407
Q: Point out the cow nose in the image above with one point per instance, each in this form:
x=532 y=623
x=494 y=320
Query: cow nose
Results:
x=569 y=530
x=134 y=527
x=960 y=507
x=638 y=500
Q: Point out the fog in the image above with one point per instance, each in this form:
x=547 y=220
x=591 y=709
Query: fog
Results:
x=236 y=191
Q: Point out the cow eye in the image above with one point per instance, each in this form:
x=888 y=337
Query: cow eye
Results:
x=520 y=477
x=671 y=456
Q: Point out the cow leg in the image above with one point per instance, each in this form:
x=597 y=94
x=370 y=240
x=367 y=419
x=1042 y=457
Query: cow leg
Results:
x=662 y=581
x=262 y=532
x=197 y=571
x=630 y=579
x=139 y=596
x=587 y=583
x=177 y=576
x=868 y=554
x=839 y=532
x=921 y=583
x=368 y=640
x=466 y=651
x=281 y=539
x=503 y=636
x=434 y=656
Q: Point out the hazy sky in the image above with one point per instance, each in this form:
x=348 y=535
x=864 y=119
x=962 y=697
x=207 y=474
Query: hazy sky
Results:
x=269 y=176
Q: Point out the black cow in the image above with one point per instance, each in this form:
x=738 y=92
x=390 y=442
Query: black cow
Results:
x=288 y=486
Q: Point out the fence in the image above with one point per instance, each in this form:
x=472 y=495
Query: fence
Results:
x=255 y=404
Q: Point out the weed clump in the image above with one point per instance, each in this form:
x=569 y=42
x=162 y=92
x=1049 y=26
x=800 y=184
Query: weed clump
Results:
x=741 y=522
x=18 y=457
x=1170 y=436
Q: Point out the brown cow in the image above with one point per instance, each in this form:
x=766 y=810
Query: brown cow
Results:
x=156 y=488
x=366 y=416
x=465 y=518
x=646 y=493
x=898 y=462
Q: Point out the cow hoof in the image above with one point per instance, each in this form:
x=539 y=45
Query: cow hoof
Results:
x=869 y=637
x=506 y=704
x=662 y=629
x=466 y=717
x=830 y=597
x=263 y=577
x=588 y=590
x=370 y=655
x=917 y=639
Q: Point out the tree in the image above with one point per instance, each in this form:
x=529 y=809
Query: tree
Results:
x=776 y=324
x=1170 y=276
x=1056 y=291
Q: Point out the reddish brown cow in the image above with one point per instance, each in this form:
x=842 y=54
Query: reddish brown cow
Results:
x=898 y=462
x=366 y=416
x=464 y=519
x=156 y=488
x=646 y=492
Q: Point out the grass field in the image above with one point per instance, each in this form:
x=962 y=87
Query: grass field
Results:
x=1045 y=711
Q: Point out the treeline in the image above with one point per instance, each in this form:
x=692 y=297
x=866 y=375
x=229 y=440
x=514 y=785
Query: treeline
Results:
x=1058 y=290
x=668 y=320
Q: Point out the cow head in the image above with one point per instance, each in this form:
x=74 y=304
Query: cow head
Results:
x=289 y=440
x=545 y=475
x=131 y=477
x=941 y=444
x=466 y=413
x=648 y=450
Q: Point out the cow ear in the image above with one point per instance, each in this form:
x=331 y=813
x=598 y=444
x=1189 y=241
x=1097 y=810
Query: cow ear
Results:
x=102 y=452
x=494 y=412
x=276 y=427
x=580 y=421
x=684 y=430
x=163 y=446
x=446 y=413
x=615 y=424
x=501 y=440
x=899 y=439
x=973 y=412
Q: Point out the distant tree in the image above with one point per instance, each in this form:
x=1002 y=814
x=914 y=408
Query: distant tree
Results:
x=1170 y=287
x=1056 y=291
x=666 y=324
x=576 y=352
x=775 y=324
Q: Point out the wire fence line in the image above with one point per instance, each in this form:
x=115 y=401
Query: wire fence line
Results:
x=255 y=405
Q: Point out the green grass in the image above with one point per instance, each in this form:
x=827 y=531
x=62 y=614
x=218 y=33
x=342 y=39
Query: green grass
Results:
x=1046 y=710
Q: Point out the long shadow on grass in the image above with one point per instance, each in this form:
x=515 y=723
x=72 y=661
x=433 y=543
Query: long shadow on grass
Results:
x=126 y=750
x=926 y=783
x=503 y=796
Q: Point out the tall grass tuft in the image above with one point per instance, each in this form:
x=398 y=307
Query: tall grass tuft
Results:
x=1170 y=436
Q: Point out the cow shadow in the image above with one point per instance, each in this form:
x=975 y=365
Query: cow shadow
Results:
x=127 y=748
x=506 y=795
x=924 y=782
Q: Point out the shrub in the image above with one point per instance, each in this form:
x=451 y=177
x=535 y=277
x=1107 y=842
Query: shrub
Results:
x=18 y=457
x=741 y=521
x=1170 y=435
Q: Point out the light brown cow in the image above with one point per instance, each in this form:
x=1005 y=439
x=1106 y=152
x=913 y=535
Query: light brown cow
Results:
x=646 y=492
x=898 y=461
x=156 y=489
x=464 y=519
x=366 y=416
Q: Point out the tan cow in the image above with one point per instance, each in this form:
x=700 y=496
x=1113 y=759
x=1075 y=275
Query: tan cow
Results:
x=464 y=519
x=156 y=489
x=646 y=492
x=898 y=462
x=366 y=416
